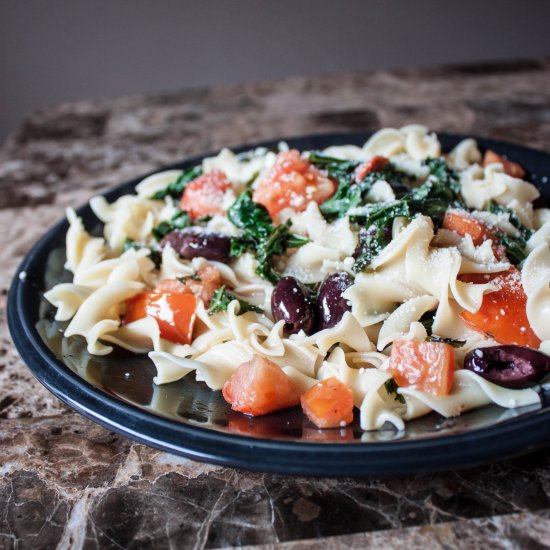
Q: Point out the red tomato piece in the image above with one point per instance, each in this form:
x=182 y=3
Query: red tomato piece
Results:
x=502 y=314
x=329 y=404
x=175 y=313
x=259 y=387
x=430 y=366
x=203 y=285
x=375 y=164
x=292 y=182
x=463 y=223
x=511 y=168
x=204 y=195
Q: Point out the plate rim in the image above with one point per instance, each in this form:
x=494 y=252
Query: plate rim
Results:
x=460 y=450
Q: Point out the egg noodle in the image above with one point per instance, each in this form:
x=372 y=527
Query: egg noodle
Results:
x=413 y=279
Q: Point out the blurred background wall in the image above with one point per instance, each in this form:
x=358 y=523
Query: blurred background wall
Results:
x=59 y=50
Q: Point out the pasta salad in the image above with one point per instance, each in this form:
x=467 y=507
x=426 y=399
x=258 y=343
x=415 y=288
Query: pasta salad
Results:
x=379 y=282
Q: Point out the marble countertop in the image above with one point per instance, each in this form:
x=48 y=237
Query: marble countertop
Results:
x=65 y=482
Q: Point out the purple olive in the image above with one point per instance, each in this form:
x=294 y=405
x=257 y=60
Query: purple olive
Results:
x=331 y=305
x=292 y=303
x=190 y=244
x=509 y=366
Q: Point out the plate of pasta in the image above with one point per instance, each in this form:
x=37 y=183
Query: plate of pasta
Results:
x=343 y=304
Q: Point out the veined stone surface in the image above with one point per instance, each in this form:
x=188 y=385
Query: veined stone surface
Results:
x=66 y=482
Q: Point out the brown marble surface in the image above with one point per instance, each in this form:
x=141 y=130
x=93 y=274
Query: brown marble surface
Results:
x=68 y=483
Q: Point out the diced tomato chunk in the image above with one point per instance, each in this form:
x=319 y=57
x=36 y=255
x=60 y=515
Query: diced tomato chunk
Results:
x=502 y=314
x=175 y=313
x=329 y=404
x=375 y=164
x=259 y=386
x=203 y=284
x=463 y=223
x=293 y=182
x=511 y=168
x=430 y=366
x=204 y=195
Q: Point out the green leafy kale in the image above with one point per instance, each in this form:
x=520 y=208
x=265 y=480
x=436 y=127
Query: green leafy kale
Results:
x=222 y=298
x=180 y=220
x=515 y=246
x=428 y=320
x=439 y=192
x=260 y=236
x=391 y=388
x=351 y=193
x=250 y=182
x=203 y=220
x=194 y=277
x=450 y=341
x=371 y=243
x=155 y=255
x=443 y=173
x=250 y=217
x=176 y=188
x=129 y=244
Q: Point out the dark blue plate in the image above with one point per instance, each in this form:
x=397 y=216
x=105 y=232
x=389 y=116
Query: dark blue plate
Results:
x=187 y=418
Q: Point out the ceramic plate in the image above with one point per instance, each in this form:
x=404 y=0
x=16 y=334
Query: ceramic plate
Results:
x=187 y=418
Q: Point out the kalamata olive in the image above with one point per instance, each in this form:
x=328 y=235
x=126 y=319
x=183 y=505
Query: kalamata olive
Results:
x=509 y=366
x=292 y=303
x=331 y=306
x=190 y=244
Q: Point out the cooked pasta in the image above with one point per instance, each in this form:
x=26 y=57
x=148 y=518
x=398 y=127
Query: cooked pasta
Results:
x=393 y=268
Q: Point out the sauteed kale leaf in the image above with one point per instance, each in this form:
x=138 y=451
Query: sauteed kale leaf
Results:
x=260 y=236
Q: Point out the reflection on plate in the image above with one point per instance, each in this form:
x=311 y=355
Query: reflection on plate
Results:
x=186 y=417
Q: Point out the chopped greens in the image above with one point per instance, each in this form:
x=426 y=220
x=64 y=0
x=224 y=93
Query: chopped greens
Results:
x=180 y=220
x=371 y=243
x=428 y=320
x=351 y=193
x=443 y=173
x=439 y=192
x=154 y=255
x=515 y=246
x=260 y=236
x=450 y=341
x=251 y=217
x=250 y=182
x=348 y=194
x=129 y=244
x=222 y=298
x=495 y=208
x=194 y=277
x=176 y=188
x=391 y=388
